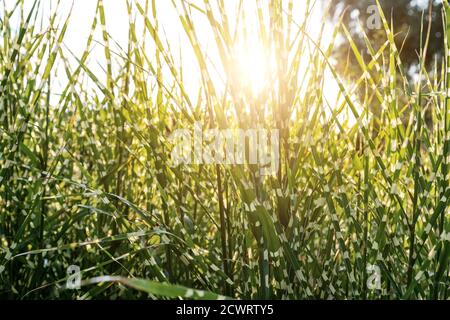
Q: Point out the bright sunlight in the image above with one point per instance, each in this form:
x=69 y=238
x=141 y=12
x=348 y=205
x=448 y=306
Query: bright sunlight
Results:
x=224 y=149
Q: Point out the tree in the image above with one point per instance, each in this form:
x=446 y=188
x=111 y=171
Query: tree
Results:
x=406 y=17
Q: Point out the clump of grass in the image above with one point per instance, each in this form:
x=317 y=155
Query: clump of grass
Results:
x=86 y=178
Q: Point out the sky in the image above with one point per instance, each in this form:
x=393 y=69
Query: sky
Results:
x=253 y=59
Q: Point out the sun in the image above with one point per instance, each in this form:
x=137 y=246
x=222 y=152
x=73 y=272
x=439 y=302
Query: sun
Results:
x=253 y=66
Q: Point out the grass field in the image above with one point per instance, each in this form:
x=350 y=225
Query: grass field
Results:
x=356 y=207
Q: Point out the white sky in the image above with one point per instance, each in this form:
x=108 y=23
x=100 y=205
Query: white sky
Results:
x=117 y=22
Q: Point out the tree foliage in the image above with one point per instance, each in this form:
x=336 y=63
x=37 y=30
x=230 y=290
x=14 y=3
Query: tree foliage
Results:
x=407 y=17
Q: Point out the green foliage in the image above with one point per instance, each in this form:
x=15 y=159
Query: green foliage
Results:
x=405 y=16
x=85 y=178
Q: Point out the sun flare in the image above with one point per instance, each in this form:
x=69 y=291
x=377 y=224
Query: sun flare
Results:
x=255 y=66
x=224 y=150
